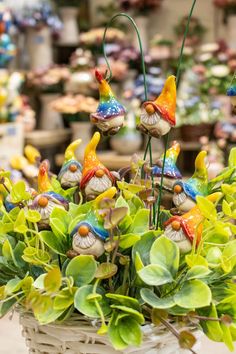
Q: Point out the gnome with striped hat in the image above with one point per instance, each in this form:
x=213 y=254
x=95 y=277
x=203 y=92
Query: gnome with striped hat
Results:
x=157 y=117
x=110 y=114
x=96 y=178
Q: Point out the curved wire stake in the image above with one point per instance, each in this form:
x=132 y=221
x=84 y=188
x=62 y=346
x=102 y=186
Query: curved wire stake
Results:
x=167 y=135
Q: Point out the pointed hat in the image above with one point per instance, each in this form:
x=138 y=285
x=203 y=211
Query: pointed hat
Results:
x=170 y=169
x=92 y=162
x=165 y=103
x=192 y=221
x=198 y=183
x=108 y=107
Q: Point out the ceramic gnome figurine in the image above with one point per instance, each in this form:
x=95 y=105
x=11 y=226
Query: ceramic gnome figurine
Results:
x=96 y=178
x=231 y=92
x=46 y=200
x=29 y=165
x=171 y=172
x=89 y=235
x=185 y=192
x=71 y=172
x=109 y=117
x=157 y=117
x=183 y=229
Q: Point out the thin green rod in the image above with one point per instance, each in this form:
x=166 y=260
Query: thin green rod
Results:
x=167 y=135
x=121 y=14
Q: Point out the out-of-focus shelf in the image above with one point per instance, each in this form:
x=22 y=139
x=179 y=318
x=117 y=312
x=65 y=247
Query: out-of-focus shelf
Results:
x=47 y=138
x=190 y=145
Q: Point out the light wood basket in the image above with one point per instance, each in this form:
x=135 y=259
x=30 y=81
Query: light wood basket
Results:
x=78 y=336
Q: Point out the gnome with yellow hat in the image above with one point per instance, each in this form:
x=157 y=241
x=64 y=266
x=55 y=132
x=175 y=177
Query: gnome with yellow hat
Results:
x=185 y=192
x=96 y=178
x=184 y=229
x=157 y=117
x=71 y=172
x=109 y=117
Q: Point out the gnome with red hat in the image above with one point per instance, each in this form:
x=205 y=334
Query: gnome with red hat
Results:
x=157 y=117
x=184 y=229
x=96 y=178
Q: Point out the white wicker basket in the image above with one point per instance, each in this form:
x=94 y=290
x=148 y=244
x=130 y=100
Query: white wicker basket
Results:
x=78 y=336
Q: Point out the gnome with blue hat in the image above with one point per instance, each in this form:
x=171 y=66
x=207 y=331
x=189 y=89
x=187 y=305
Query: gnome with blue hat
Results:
x=185 y=192
x=171 y=171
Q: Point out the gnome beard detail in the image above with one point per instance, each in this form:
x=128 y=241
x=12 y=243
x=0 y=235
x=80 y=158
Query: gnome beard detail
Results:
x=97 y=184
x=181 y=200
x=175 y=233
x=157 y=117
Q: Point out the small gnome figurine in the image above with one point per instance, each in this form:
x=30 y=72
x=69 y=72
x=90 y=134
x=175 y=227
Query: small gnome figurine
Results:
x=171 y=172
x=157 y=117
x=71 y=172
x=182 y=229
x=89 y=235
x=185 y=192
x=46 y=200
x=109 y=117
x=96 y=178
x=231 y=92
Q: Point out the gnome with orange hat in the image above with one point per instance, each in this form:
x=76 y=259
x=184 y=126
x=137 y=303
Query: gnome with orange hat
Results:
x=109 y=117
x=185 y=192
x=171 y=171
x=96 y=178
x=184 y=229
x=157 y=117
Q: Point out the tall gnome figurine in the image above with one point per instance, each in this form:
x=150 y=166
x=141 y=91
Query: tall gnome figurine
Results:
x=171 y=171
x=71 y=172
x=185 y=192
x=157 y=117
x=96 y=178
x=110 y=114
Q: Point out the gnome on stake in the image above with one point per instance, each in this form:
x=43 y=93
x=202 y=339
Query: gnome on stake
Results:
x=183 y=229
x=96 y=178
x=109 y=117
x=157 y=117
x=185 y=192
x=171 y=172
x=71 y=172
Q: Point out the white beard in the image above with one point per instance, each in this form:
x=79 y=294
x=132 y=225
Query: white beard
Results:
x=154 y=121
x=71 y=179
x=105 y=125
x=98 y=185
x=179 y=238
x=90 y=245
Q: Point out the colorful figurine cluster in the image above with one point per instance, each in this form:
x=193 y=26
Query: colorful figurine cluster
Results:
x=7 y=48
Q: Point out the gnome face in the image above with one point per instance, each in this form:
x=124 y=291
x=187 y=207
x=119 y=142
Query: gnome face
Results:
x=87 y=241
x=152 y=121
x=181 y=200
x=176 y=233
x=70 y=174
x=98 y=184
x=109 y=126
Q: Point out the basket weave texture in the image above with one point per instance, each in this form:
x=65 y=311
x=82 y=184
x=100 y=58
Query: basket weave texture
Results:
x=78 y=336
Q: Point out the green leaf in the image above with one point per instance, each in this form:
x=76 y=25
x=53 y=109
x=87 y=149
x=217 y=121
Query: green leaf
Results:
x=130 y=311
x=59 y=221
x=214 y=257
x=106 y=270
x=226 y=208
x=131 y=337
x=155 y=274
x=229 y=257
x=227 y=337
x=193 y=294
x=53 y=280
x=124 y=300
x=197 y=272
x=211 y=328
x=115 y=337
x=195 y=260
x=153 y=300
x=18 y=193
x=49 y=316
x=232 y=157
x=82 y=269
x=6 y=306
x=50 y=239
x=114 y=217
x=121 y=202
x=18 y=253
x=88 y=308
x=143 y=247
x=64 y=299
x=140 y=222
x=207 y=208
x=165 y=253
x=128 y=240
x=20 y=223
x=32 y=215
x=39 y=282
x=138 y=262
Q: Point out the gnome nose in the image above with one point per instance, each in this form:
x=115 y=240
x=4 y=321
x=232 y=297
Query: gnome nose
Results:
x=83 y=230
x=150 y=109
x=176 y=225
x=43 y=202
x=73 y=168
x=178 y=189
x=99 y=173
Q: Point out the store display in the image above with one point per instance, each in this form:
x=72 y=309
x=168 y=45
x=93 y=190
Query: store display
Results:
x=7 y=48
